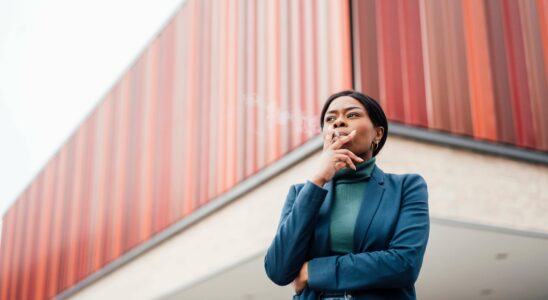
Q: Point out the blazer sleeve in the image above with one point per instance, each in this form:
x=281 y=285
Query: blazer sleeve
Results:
x=288 y=251
x=396 y=267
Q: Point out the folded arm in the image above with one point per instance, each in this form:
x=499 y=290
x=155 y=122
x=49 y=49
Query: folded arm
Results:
x=288 y=250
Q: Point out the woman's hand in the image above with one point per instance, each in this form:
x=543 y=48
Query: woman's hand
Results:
x=334 y=158
x=302 y=279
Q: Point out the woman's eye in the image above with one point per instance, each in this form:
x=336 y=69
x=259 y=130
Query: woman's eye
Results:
x=350 y=115
x=329 y=119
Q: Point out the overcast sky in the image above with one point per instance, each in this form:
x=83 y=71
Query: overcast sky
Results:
x=57 y=59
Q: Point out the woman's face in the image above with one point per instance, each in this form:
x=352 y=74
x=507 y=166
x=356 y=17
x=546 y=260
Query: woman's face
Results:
x=345 y=114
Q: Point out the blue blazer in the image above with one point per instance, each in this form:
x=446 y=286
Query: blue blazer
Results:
x=390 y=239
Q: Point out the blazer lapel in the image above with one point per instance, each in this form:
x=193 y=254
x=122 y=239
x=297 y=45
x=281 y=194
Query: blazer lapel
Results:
x=370 y=203
x=321 y=234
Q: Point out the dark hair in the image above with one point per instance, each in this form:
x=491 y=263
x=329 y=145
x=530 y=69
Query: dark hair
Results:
x=374 y=111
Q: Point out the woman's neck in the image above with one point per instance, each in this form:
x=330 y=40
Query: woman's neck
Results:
x=365 y=156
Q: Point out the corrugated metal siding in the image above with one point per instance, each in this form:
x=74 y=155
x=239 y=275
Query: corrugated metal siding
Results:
x=224 y=90
x=229 y=87
x=468 y=67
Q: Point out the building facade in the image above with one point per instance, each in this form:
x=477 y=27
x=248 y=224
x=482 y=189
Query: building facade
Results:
x=172 y=186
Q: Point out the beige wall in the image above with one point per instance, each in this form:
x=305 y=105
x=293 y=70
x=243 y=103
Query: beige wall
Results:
x=478 y=188
x=462 y=185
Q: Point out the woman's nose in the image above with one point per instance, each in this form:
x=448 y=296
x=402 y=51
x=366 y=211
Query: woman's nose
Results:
x=339 y=122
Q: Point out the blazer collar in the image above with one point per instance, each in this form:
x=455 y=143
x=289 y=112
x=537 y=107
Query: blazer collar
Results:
x=378 y=175
x=370 y=203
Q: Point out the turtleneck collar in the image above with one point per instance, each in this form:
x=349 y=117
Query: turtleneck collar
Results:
x=363 y=172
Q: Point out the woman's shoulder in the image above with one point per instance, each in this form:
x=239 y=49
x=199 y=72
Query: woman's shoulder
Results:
x=410 y=186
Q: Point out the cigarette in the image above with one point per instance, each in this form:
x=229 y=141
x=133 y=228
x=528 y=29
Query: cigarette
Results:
x=336 y=134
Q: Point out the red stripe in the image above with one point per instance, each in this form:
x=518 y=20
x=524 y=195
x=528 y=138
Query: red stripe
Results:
x=65 y=215
x=205 y=102
x=232 y=77
x=108 y=192
x=101 y=220
x=45 y=229
x=164 y=126
x=133 y=195
x=190 y=110
x=506 y=131
x=19 y=219
x=365 y=37
x=86 y=230
x=250 y=91
x=390 y=59
x=35 y=226
x=76 y=211
x=8 y=232
x=30 y=227
x=518 y=75
x=413 y=83
x=480 y=82
x=54 y=257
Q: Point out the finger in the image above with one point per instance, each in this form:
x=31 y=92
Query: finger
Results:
x=349 y=153
x=350 y=163
x=328 y=138
x=345 y=159
x=343 y=140
x=339 y=165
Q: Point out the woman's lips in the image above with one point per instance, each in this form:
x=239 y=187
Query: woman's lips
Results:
x=338 y=134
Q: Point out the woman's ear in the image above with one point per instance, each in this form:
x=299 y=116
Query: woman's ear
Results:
x=379 y=133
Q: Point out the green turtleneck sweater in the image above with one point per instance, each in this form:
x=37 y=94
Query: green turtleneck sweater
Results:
x=349 y=191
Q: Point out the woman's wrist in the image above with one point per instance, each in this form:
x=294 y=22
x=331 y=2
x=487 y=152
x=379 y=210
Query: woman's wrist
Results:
x=318 y=181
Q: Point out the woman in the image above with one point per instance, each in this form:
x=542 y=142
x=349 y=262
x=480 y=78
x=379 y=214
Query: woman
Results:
x=351 y=231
